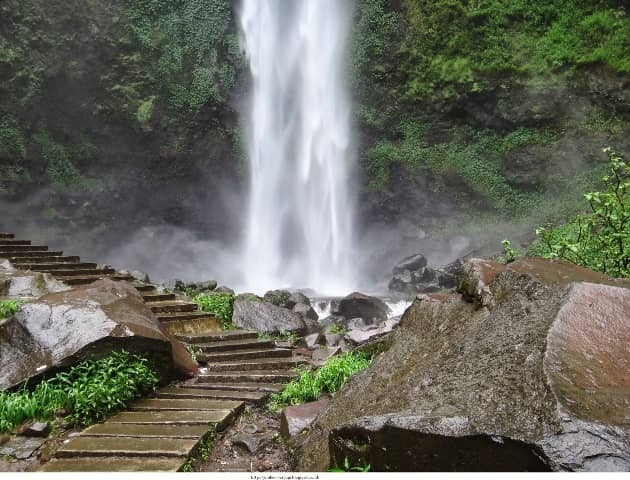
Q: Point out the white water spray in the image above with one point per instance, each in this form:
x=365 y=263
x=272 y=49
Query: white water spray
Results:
x=300 y=220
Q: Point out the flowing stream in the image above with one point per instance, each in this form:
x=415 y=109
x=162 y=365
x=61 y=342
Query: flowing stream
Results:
x=299 y=224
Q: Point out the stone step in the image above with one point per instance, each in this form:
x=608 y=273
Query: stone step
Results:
x=248 y=376
x=159 y=404
x=178 y=417
x=148 y=431
x=83 y=272
x=7 y=235
x=240 y=387
x=87 y=279
x=246 y=354
x=245 y=344
x=254 y=364
x=203 y=324
x=211 y=394
x=114 y=464
x=180 y=316
x=54 y=267
x=158 y=297
x=173 y=306
x=14 y=242
x=127 y=447
x=144 y=287
x=22 y=249
x=46 y=257
x=222 y=336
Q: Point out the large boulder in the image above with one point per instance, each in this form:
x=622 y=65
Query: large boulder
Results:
x=359 y=305
x=62 y=328
x=266 y=317
x=538 y=381
x=279 y=298
x=21 y=284
x=412 y=275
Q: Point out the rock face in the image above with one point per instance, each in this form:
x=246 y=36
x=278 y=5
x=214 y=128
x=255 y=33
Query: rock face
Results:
x=412 y=276
x=538 y=380
x=358 y=305
x=296 y=419
x=266 y=317
x=60 y=329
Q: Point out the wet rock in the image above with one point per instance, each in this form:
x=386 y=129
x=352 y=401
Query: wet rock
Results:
x=249 y=443
x=361 y=336
x=312 y=340
x=412 y=276
x=297 y=298
x=21 y=447
x=25 y=284
x=295 y=419
x=140 y=276
x=37 y=429
x=223 y=289
x=266 y=317
x=323 y=353
x=306 y=311
x=62 y=328
x=538 y=382
x=358 y=305
x=279 y=298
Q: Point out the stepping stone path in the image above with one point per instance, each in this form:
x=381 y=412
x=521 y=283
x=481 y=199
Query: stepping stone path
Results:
x=160 y=433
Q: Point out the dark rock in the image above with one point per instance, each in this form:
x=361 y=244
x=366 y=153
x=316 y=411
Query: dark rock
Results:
x=266 y=317
x=358 y=305
x=306 y=311
x=322 y=354
x=539 y=380
x=412 y=276
x=297 y=298
x=294 y=420
x=279 y=298
x=206 y=286
x=62 y=328
x=140 y=276
x=249 y=443
x=21 y=447
x=37 y=429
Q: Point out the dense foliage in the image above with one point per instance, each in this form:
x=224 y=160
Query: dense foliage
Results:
x=220 y=304
x=329 y=378
x=599 y=240
x=86 y=393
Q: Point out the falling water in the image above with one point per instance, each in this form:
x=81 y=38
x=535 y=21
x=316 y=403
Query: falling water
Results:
x=300 y=220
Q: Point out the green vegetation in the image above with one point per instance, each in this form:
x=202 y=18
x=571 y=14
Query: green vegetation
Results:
x=220 y=304
x=202 y=452
x=454 y=45
x=600 y=239
x=12 y=143
x=85 y=393
x=290 y=337
x=145 y=110
x=346 y=467
x=337 y=329
x=327 y=379
x=193 y=48
x=9 y=307
x=61 y=169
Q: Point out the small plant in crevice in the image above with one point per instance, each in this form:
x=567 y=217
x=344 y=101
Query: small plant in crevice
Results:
x=9 y=307
x=347 y=467
x=194 y=351
x=201 y=453
x=221 y=305
x=337 y=329
x=329 y=378
x=290 y=337
x=85 y=393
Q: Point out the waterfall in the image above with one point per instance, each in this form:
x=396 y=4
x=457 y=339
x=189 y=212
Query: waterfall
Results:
x=299 y=224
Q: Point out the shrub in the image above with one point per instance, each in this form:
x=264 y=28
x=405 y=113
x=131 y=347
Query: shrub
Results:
x=87 y=392
x=222 y=305
x=12 y=143
x=600 y=239
x=329 y=378
x=8 y=307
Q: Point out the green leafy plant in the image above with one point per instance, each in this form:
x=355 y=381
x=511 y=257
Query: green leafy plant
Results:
x=220 y=304
x=346 y=467
x=337 y=329
x=290 y=337
x=328 y=379
x=85 y=393
x=600 y=239
x=9 y=307
x=509 y=253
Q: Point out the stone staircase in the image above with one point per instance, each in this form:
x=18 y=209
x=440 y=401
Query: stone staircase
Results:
x=160 y=433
